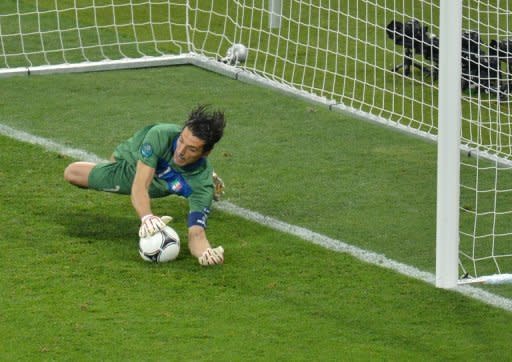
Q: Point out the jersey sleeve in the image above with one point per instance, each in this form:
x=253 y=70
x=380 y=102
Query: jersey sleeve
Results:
x=201 y=199
x=153 y=145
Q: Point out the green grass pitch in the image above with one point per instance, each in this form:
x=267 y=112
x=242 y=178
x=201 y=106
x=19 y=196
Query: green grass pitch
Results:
x=72 y=286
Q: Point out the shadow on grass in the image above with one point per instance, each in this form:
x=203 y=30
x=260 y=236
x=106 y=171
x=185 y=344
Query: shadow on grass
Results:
x=91 y=226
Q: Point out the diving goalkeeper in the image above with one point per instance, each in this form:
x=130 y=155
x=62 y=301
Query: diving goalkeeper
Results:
x=161 y=160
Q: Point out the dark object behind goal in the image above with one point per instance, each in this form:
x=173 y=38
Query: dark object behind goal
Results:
x=479 y=70
x=417 y=40
x=502 y=51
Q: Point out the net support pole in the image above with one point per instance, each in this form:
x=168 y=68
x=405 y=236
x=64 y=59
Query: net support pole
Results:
x=274 y=8
x=448 y=151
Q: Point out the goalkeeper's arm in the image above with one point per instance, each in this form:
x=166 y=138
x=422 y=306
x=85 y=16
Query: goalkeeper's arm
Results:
x=139 y=193
x=200 y=247
x=150 y=223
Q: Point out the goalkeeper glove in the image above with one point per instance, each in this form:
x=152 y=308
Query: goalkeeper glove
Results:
x=212 y=256
x=152 y=224
x=219 y=186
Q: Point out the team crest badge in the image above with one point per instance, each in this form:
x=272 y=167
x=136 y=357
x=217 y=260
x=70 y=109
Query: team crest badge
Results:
x=176 y=186
x=146 y=150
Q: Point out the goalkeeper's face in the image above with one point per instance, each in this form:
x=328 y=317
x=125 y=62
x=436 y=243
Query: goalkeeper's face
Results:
x=189 y=149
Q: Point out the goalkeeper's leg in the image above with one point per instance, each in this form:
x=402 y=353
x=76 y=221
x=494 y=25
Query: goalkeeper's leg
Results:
x=77 y=173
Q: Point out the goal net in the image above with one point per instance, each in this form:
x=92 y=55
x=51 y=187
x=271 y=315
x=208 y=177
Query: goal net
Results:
x=486 y=169
x=378 y=59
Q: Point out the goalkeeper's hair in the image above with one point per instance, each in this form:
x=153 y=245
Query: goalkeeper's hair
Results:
x=207 y=125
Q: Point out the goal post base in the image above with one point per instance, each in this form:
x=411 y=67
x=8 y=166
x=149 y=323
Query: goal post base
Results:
x=487 y=279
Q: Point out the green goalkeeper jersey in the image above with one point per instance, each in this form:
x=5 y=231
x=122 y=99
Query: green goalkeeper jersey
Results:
x=154 y=145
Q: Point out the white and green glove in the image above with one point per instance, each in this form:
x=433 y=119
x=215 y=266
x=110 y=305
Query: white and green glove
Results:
x=151 y=224
x=219 y=187
x=212 y=256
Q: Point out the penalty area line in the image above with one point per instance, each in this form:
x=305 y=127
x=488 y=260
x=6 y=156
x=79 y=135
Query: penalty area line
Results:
x=300 y=232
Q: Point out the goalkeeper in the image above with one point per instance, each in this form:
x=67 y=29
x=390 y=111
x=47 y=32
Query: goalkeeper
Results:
x=161 y=160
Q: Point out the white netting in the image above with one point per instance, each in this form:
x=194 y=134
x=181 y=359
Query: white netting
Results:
x=35 y=33
x=486 y=184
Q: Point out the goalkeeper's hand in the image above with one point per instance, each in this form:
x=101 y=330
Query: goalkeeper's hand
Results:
x=219 y=187
x=152 y=224
x=212 y=256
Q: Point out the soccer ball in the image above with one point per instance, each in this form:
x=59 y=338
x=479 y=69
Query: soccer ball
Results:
x=160 y=247
x=236 y=54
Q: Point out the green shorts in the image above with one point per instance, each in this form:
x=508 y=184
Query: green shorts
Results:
x=118 y=177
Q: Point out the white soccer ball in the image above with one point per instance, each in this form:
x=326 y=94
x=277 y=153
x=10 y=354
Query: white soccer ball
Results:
x=160 y=247
x=236 y=54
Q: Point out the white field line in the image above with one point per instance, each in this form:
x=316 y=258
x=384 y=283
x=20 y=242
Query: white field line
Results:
x=305 y=234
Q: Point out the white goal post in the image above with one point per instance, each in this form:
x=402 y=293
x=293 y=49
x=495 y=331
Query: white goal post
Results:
x=448 y=155
x=438 y=69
